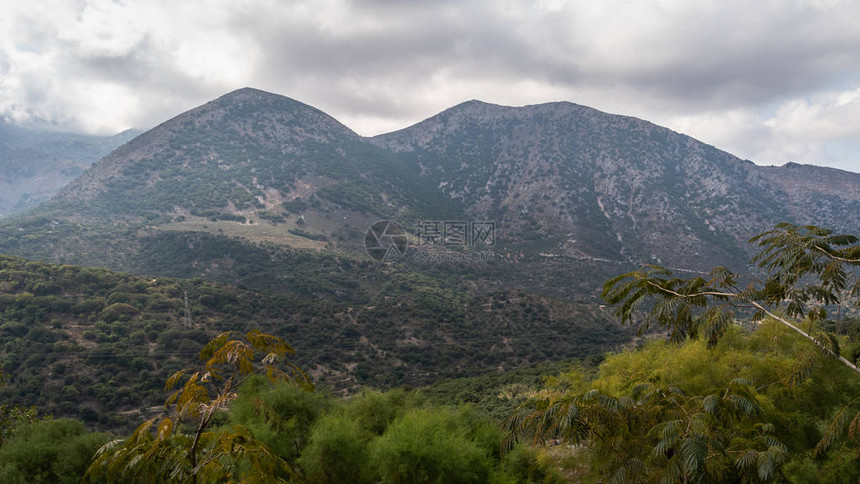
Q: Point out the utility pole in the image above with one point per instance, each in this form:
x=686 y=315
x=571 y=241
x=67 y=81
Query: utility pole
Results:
x=187 y=309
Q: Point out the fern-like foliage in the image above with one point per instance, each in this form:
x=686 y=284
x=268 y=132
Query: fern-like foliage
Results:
x=685 y=307
x=803 y=269
x=847 y=416
x=809 y=263
x=159 y=451
x=659 y=434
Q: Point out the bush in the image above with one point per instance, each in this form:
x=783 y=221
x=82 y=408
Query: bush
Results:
x=53 y=451
x=337 y=452
x=429 y=446
x=281 y=418
x=374 y=411
x=118 y=311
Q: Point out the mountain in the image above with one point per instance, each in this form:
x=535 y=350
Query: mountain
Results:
x=559 y=180
x=276 y=198
x=826 y=196
x=251 y=164
x=246 y=152
x=594 y=185
x=36 y=163
x=249 y=187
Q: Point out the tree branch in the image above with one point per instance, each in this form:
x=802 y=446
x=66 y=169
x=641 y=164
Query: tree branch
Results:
x=758 y=306
x=842 y=359
x=836 y=257
x=698 y=294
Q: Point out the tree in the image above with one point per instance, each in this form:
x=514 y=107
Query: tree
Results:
x=337 y=452
x=641 y=421
x=161 y=449
x=803 y=271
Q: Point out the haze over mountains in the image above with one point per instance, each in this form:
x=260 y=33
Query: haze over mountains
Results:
x=36 y=163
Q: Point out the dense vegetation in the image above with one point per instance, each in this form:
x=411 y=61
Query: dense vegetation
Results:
x=704 y=423
x=275 y=432
x=98 y=345
x=736 y=412
x=758 y=423
x=746 y=403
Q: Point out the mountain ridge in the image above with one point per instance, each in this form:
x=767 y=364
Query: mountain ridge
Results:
x=563 y=134
x=559 y=180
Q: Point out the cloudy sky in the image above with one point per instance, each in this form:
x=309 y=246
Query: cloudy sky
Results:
x=771 y=81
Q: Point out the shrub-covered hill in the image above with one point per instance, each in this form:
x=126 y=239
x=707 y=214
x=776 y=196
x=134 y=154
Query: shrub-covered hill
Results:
x=98 y=345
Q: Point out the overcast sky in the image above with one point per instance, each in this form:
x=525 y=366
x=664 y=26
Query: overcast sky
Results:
x=771 y=81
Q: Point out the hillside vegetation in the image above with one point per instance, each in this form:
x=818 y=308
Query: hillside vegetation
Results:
x=732 y=413
x=251 y=212
x=97 y=345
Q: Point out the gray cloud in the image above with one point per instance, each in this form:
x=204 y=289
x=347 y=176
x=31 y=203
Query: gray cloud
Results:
x=744 y=76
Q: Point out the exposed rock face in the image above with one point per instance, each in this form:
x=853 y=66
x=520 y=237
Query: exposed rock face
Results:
x=817 y=195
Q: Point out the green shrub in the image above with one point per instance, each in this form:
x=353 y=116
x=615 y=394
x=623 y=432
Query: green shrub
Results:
x=53 y=451
x=337 y=451
x=281 y=418
x=118 y=311
x=429 y=446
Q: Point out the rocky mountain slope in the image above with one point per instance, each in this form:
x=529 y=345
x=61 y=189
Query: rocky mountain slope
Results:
x=615 y=187
x=814 y=194
x=566 y=186
x=35 y=164
x=246 y=152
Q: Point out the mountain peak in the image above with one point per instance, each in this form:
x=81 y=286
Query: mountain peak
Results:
x=255 y=101
x=251 y=90
x=257 y=131
x=552 y=118
x=473 y=104
x=250 y=93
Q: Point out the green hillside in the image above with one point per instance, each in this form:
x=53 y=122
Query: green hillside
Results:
x=96 y=344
